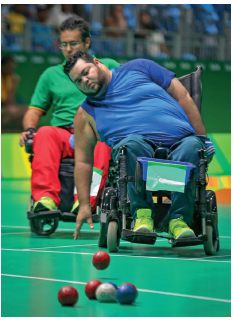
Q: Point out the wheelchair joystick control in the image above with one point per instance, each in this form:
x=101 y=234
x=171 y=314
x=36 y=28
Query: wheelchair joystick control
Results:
x=29 y=143
x=160 y=152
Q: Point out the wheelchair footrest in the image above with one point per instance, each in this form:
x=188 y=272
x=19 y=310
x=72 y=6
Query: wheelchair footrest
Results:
x=138 y=237
x=43 y=214
x=71 y=217
x=68 y=217
x=184 y=242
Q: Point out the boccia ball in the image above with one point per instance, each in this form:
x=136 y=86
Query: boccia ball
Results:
x=90 y=288
x=113 y=284
x=67 y=296
x=106 y=292
x=101 y=260
x=126 y=294
x=130 y=284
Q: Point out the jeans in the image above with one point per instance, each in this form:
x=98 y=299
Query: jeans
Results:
x=186 y=150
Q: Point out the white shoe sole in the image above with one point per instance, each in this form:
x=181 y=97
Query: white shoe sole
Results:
x=143 y=229
x=186 y=234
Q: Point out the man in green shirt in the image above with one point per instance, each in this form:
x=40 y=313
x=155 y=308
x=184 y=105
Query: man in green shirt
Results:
x=51 y=143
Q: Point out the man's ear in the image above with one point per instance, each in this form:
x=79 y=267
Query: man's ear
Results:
x=97 y=62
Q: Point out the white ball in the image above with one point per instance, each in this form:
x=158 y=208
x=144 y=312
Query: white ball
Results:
x=106 y=292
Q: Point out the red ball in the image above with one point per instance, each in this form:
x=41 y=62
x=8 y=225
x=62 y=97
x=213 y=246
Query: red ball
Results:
x=67 y=296
x=130 y=284
x=101 y=260
x=91 y=287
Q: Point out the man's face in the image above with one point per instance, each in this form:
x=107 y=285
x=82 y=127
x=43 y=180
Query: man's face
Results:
x=72 y=42
x=88 y=77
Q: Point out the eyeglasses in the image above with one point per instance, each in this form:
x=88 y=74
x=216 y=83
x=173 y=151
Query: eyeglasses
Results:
x=71 y=43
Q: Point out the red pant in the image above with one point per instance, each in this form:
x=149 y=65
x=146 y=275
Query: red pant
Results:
x=51 y=144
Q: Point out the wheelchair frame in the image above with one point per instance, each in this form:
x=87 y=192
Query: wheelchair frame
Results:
x=116 y=220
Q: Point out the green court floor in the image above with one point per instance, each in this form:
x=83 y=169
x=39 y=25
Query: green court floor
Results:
x=179 y=282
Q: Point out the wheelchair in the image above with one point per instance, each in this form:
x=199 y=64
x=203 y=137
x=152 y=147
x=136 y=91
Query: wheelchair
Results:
x=44 y=223
x=116 y=221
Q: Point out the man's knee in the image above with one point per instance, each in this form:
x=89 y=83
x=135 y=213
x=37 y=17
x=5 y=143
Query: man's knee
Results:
x=45 y=131
x=193 y=144
x=188 y=150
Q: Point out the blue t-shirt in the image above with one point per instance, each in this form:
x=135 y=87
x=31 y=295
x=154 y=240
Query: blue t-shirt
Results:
x=136 y=102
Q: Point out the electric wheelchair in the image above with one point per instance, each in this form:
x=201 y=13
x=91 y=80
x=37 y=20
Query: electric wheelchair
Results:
x=45 y=223
x=116 y=220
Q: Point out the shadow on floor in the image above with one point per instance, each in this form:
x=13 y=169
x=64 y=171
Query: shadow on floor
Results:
x=185 y=252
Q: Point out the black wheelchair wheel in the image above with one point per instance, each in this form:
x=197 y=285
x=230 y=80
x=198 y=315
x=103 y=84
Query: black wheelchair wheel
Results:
x=44 y=227
x=211 y=246
x=102 y=241
x=113 y=239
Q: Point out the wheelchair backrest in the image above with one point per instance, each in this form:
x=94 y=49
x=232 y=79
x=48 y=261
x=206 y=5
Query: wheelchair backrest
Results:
x=192 y=83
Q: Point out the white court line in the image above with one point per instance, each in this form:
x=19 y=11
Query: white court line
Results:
x=142 y=290
x=3 y=234
x=75 y=245
x=60 y=229
x=120 y=255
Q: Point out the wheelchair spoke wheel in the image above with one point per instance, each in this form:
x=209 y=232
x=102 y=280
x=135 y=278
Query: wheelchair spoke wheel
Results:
x=102 y=241
x=113 y=240
x=44 y=227
x=211 y=246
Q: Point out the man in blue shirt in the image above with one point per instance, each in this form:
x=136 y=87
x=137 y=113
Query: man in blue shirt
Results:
x=139 y=104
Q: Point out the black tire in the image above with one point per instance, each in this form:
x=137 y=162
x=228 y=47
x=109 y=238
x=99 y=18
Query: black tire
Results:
x=38 y=226
x=211 y=246
x=113 y=239
x=102 y=241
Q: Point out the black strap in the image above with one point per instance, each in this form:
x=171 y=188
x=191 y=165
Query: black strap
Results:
x=68 y=128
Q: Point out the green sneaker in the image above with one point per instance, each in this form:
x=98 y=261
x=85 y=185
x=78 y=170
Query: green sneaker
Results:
x=144 y=223
x=75 y=207
x=179 y=229
x=44 y=204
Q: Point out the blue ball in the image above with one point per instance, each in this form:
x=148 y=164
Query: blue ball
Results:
x=113 y=284
x=126 y=294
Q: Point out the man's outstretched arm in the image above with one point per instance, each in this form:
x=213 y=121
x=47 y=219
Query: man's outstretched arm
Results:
x=178 y=92
x=85 y=141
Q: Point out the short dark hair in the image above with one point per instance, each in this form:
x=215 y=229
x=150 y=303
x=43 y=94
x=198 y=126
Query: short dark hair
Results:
x=74 y=58
x=7 y=59
x=75 y=22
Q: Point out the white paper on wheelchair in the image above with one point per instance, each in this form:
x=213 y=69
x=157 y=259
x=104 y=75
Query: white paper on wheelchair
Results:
x=165 y=174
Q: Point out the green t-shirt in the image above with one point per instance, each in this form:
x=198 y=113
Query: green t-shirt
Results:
x=54 y=88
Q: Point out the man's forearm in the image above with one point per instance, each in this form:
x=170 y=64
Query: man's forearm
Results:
x=31 y=118
x=180 y=94
x=83 y=177
x=193 y=114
